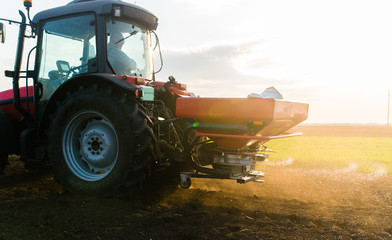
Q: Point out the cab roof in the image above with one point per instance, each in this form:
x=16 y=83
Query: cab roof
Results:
x=101 y=7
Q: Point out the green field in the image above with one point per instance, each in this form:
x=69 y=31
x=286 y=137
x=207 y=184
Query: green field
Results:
x=365 y=154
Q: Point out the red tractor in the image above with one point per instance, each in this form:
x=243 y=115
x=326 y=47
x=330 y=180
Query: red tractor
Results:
x=96 y=114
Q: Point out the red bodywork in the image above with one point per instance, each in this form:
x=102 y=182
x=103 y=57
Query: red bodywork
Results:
x=7 y=105
x=273 y=116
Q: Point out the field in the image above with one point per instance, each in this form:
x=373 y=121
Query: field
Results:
x=332 y=183
x=365 y=149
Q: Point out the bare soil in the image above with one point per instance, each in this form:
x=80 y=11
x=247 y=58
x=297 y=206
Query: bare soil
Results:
x=291 y=204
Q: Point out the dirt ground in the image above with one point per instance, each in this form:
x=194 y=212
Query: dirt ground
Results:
x=291 y=204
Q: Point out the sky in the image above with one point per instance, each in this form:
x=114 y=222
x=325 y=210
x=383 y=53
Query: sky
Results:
x=334 y=54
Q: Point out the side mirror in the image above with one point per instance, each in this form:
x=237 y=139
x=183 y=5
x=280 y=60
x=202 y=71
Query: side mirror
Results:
x=2 y=33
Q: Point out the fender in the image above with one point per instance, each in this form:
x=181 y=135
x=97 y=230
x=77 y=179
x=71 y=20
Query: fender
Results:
x=73 y=85
x=8 y=139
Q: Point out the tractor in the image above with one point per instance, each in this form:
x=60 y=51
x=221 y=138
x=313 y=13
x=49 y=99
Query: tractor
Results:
x=96 y=114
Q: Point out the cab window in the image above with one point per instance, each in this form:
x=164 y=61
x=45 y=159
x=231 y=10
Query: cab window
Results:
x=68 y=47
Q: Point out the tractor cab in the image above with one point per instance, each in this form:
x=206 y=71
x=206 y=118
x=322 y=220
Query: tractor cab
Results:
x=91 y=36
x=105 y=37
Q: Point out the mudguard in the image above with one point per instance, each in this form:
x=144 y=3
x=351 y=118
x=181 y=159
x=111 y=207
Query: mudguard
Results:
x=8 y=139
x=74 y=84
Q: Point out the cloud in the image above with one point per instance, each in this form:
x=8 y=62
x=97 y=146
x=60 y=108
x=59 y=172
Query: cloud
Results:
x=207 y=6
x=210 y=69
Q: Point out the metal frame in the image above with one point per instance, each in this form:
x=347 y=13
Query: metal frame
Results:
x=247 y=136
x=203 y=172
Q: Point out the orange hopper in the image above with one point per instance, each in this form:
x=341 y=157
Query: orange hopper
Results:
x=236 y=122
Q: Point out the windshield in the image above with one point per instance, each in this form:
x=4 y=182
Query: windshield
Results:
x=129 y=49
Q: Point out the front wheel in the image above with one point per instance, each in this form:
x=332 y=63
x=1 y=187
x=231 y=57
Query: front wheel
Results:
x=99 y=142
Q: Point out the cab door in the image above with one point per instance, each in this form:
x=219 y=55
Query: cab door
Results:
x=67 y=46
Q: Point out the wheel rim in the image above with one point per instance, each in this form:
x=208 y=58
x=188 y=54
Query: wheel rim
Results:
x=90 y=146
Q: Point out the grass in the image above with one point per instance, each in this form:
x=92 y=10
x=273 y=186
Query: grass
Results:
x=367 y=154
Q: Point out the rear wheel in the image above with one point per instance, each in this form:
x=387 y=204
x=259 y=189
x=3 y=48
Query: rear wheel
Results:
x=100 y=142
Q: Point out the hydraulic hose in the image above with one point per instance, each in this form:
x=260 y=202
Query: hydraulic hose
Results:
x=188 y=158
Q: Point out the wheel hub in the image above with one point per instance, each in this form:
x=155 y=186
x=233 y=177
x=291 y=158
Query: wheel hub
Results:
x=98 y=145
x=90 y=146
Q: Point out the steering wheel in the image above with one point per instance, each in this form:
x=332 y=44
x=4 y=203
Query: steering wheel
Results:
x=75 y=70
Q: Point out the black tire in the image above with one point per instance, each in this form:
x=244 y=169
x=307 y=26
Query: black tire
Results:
x=99 y=142
x=3 y=162
x=185 y=181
